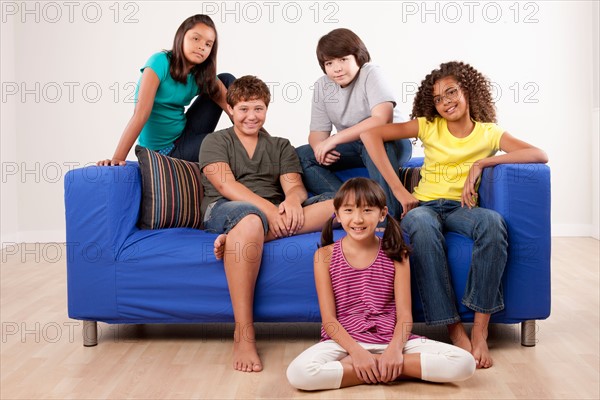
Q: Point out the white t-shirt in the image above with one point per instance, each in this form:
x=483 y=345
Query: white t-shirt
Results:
x=334 y=106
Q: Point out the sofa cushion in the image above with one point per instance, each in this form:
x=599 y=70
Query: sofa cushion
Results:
x=410 y=177
x=171 y=191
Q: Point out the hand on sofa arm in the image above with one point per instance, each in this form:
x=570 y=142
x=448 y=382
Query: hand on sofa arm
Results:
x=519 y=192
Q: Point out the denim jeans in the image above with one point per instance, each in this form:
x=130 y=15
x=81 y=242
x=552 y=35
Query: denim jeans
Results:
x=320 y=178
x=425 y=226
x=202 y=118
x=223 y=215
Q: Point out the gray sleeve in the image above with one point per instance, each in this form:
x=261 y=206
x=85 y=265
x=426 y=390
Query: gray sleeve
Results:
x=213 y=149
x=289 y=161
x=378 y=88
x=319 y=121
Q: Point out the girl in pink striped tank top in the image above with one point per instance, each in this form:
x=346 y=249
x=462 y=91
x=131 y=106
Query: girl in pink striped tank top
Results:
x=363 y=285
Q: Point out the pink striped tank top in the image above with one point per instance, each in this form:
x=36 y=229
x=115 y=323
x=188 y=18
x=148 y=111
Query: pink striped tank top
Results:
x=364 y=298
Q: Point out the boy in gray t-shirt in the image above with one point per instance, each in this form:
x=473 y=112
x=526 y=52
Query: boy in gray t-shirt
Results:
x=353 y=96
x=253 y=193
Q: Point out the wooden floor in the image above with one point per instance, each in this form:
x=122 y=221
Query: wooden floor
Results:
x=42 y=355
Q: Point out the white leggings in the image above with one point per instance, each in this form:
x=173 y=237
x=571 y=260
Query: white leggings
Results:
x=319 y=368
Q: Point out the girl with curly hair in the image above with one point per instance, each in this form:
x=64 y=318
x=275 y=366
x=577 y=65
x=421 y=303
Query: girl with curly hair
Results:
x=454 y=117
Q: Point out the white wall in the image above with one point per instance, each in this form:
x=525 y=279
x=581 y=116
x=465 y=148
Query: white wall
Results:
x=8 y=140
x=74 y=63
x=595 y=147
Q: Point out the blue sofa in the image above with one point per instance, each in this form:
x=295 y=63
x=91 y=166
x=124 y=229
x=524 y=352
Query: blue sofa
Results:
x=119 y=274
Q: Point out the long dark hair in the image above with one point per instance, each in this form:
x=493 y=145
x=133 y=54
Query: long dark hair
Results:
x=204 y=73
x=367 y=192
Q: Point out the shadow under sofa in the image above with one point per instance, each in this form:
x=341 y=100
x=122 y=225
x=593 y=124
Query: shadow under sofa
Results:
x=120 y=274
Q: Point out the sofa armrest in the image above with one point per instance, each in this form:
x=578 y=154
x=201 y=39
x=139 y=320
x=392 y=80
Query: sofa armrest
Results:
x=102 y=204
x=521 y=194
x=101 y=209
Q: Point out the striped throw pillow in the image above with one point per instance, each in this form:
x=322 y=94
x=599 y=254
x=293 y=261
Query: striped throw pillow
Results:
x=410 y=177
x=171 y=191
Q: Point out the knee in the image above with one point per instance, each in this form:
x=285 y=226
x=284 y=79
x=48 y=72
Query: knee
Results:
x=299 y=377
x=404 y=150
x=451 y=365
x=463 y=366
x=305 y=153
x=419 y=221
x=392 y=150
x=226 y=78
x=492 y=223
x=250 y=227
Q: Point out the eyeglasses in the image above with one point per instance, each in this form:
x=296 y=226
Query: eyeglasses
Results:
x=450 y=95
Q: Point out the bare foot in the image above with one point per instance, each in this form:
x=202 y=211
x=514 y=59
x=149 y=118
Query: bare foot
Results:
x=245 y=357
x=219 y=246
x=459 y=336
x=481 y=352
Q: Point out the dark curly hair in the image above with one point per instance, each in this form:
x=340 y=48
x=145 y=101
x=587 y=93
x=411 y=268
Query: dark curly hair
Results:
x=473 y=83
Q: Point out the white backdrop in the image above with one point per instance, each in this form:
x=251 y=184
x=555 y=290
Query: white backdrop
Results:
x=69 y=68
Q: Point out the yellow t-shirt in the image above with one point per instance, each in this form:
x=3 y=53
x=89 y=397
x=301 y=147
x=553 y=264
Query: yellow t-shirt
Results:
x=448 y=159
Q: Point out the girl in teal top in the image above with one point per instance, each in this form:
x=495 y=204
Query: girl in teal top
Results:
x=169 y=82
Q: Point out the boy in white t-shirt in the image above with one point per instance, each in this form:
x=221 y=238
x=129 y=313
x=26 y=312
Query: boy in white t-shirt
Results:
x=352 y=96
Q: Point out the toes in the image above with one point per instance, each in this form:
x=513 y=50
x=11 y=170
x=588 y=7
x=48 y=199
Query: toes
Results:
x=219 y=246
x=247 y=367
x=483 y=362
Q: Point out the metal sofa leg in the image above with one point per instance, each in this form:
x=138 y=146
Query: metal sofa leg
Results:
x=528 y=331
x=90 y=333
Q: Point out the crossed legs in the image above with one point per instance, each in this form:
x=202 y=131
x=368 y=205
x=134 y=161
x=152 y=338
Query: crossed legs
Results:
x=327 y=365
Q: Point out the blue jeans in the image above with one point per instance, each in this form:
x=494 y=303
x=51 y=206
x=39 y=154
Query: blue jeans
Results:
x=202 y=118
x=320 y=178
x=425 y=226
x=223 y=215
